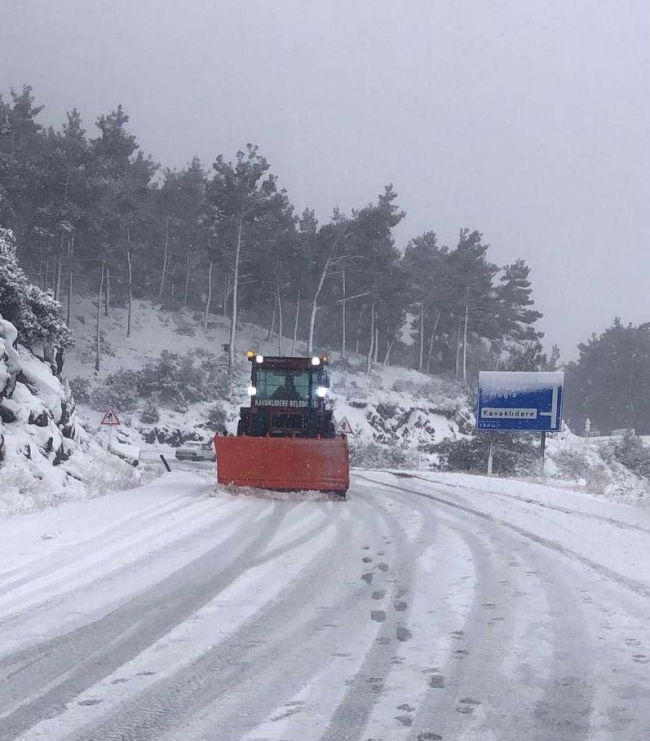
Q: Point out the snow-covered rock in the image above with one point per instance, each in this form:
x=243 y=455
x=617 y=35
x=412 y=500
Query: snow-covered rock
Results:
x=45 y=454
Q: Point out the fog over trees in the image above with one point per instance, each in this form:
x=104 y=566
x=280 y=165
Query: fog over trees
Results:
x=91 y=213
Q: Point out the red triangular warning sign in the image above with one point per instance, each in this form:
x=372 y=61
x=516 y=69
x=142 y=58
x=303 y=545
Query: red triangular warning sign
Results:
x=345 y=427
x=110 y=418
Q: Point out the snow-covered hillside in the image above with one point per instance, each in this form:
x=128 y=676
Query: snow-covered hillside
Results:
x=168 y=383
x=397 y=414
x=45 y=454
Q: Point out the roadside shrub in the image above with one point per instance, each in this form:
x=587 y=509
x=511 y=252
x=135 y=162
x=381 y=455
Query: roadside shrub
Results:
x=217 y=418
x=222 y=386
x=80 y=388
x=174 y=378
x=597 y=480
x=120 y=390
x=342 y=364
x=633 y=454
x=372 y=455
x=186 y=329
x=512 y=454
x=150 y=413
x=571 y=464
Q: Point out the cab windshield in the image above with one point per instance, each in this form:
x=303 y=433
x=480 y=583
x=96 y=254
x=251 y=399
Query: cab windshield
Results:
x=282 y=385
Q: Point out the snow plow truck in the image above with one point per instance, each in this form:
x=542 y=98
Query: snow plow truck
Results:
x=286 y=439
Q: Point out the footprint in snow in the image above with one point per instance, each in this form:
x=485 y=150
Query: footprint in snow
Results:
x=403 y=634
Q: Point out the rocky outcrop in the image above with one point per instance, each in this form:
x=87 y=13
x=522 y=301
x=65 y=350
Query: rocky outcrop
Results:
x=37 y=412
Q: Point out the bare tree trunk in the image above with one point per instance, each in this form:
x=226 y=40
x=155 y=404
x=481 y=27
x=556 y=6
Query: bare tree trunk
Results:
x=465 y=338
x=70 y=278
x=188 y=267
x=421 y=363
x=372 y=339
x=271 y=331
x=295 y=324
x=376 y=357
x=499 y=352
x=460 y=324
x=163 y=277
x=107 y=293
x=226 y=293
x=59 y=271
x=130 y=294
x=280 y=319
x=233 y=322
x=209 y=299
x=431 y=339
x=314 y=308
x=98 y=348
x=47 y=275
x=343 y=317
x=388 y=349
x=358 y=340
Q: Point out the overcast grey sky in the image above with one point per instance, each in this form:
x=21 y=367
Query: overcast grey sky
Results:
x=527 y=120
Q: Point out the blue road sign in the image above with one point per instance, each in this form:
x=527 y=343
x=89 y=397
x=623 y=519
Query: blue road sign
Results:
x=520 y=401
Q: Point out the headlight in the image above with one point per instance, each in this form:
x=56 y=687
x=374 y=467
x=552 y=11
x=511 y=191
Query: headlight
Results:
x=252 y=390
x=259 y=359
x=321 y=392
x=315 y=361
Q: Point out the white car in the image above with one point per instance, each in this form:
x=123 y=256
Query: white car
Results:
x=196 y=451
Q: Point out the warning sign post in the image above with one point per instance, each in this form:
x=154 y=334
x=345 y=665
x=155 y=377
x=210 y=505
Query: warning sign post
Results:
x=345 y=428
x=110 y=420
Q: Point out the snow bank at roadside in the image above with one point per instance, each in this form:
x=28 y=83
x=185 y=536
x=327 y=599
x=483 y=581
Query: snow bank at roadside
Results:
x=45 y=455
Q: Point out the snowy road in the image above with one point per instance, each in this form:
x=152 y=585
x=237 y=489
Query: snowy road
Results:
x=417 y=610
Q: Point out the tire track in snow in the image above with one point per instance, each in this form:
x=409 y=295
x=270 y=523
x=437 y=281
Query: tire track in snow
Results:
x=73 y=573
x=479 y=692
x=81 y=658
x=459 y=687
x=122 y=560
x=271 y=656
x=544 y=505
x=42 y=565
x=632 y=584
x=350 y=717
x=564 y=710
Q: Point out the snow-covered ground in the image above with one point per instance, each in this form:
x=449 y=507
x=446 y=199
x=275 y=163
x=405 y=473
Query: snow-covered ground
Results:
x=397 y=414
x=394 y=407
x=458 y=607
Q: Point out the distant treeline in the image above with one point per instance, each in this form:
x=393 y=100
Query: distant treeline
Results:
x=94 y=214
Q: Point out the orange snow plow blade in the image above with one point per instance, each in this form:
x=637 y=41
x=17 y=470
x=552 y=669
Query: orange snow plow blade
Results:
x=284 y=463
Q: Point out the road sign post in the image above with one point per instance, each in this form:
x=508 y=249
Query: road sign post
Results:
x=110 y=420
x=520 y=402
x=345 y=428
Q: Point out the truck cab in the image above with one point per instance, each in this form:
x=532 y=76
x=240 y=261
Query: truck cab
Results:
x=288 y=398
